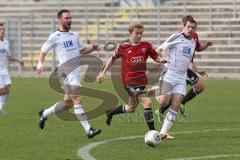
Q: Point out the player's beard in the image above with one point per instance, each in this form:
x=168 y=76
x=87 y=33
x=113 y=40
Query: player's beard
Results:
x=1 y=36
x=67 y=26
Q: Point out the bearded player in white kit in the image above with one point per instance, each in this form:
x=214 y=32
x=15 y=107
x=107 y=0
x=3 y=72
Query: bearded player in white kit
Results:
x=68 y=46
x=5 y=81
x=179 y=49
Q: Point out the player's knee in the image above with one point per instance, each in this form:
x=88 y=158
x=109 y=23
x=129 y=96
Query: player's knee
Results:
x=200 y=86
x=147 y=103
x=163 y=103
x=130 y=109
x=68 y=103
x=76 y=99
x=6 y=90
x=176 y=104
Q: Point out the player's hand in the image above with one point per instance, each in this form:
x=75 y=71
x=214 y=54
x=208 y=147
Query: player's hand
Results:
x=164 y=60
x=39 y=68
x=100 y=77
x=156 y=64
x=203 y=73
x=21 y=62
x=96 y=47
x=209 y=44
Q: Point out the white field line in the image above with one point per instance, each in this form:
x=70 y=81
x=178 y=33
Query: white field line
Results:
x=84 y=152
x=207 y=157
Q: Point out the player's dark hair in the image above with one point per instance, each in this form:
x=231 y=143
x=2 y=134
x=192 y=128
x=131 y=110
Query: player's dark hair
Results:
x=191 y=20
x=185 y=18
x=59 y=14
x=135 y=25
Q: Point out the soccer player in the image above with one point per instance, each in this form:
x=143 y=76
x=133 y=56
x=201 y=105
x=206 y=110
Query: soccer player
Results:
x=134 y=56
x=67 y=46
x=179 y=49
x=192 y=78
x=5 y=81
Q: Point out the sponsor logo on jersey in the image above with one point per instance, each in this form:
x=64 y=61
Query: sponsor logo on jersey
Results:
x=2 y=51
x=187 y=51
x=68 y=43
x=137 y=59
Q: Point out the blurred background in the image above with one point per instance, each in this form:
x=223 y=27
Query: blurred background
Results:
x=29 y=23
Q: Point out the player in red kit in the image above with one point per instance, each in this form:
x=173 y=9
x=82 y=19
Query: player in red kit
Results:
x=134 y=56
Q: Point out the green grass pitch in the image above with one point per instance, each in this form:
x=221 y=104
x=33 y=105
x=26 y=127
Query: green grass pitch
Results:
x=214 y=118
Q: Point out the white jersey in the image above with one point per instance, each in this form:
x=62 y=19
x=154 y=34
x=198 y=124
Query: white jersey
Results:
x=67 y=45
x=4 y=52
x=180 y=52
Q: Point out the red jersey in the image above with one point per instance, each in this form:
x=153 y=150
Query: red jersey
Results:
x=198 y=45
x=134 y=63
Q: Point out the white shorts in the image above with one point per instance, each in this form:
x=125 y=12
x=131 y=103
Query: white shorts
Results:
x=178 y=88
x=70 y=81
x=173 y=83
x=5 y=80
x=167 y=88
x=73 y=79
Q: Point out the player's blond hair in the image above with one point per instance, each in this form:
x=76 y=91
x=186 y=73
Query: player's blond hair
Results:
x=133 y=26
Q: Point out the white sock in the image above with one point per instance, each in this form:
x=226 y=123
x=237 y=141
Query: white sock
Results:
x=168 y=121
x=78 y=110
x=57 y=107
x=3 y=99
x=1 y=105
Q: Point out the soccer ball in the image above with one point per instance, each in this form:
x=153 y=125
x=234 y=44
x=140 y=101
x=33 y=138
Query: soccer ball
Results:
x=152 y=138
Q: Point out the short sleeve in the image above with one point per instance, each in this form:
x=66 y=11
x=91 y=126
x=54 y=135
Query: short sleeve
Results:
x=151 y=51
x=170 y=41
x=48 y=44
x=118 y=52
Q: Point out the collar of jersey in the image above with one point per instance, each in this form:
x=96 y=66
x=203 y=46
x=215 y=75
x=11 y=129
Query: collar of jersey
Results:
x=187 y=37
x=63 y=31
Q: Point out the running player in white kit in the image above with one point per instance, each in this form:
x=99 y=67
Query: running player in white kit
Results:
x=68 y=47
x=179 y=49
x=5 y=81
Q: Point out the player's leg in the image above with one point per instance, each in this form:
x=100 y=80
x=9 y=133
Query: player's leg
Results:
x=163 y=99
x=127 y=108
x=148 y=114
x=172 y=113
x=133 y=92
x=164 y=103
x=177 y=96
x=5 y=85
x=57 y=107
x=80 y=114
x=197 y=88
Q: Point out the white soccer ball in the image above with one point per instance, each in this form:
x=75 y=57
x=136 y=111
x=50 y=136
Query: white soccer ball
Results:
x=152 y=138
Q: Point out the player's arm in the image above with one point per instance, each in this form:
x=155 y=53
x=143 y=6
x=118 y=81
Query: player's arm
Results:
x=14 y=59
x=194 y=68
x=204 y=46
x=108 y=65
x=89 y=49
x=41 y=59
x=162 y=55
